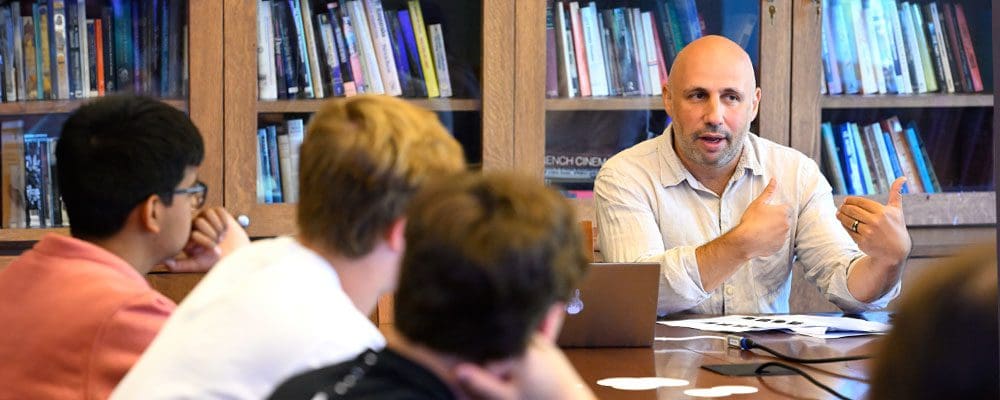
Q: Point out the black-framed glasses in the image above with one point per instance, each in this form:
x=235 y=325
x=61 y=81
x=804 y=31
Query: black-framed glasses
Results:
x=198 y=192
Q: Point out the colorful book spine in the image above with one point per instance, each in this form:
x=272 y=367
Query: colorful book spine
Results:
x=831 y=71
x=903 y=81
x=100 y=54
x=351 y=40
x=894 y=129
x=31 y=83
x=831 y=159
x=413 y=54
x=652 y=60
x=862 y=159
x=579 y=49
x=969 y=50
x=17 y=41
x=844 y=49
x=85 y=43
x=897 y=168
x=849 y=159
x=595 y=50
x=406 y=80
x=303 y=64
x=122 y=19
x=366 y=48
x=925 y=49
x=568 y=83
x=332 y=55
x=347 y=73
x=551 y=66
x=919 y=158
x=110 y=70
x=306 y=18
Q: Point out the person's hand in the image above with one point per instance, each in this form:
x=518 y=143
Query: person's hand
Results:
x=879 y=230
x=214 y=233
x=763 y=229
x=543 y=373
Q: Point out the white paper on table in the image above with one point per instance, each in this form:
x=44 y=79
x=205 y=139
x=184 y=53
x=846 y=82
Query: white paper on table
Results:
x=808 y=325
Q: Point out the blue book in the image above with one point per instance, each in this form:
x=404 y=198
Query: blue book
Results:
x=400 y=54
x=330 y=53
x=413 y=57
x=687 y=13
x=73 y=50
x=165 y=65
x=832 y=160
x=848 y=159
x=894 y=159
x=302 y=62
x=920 y=158
x=883 y=152
x=138 y=48
x=862 y=158
x=272 y=158
x=263 y=169
x=122 y=17
x=847 y=58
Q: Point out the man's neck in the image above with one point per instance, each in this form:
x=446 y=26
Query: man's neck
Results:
x=715 y=178
x=363 y=279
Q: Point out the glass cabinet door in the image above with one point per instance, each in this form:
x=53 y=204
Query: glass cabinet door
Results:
x=606 y=63
x=59 y=54
x=429 y=52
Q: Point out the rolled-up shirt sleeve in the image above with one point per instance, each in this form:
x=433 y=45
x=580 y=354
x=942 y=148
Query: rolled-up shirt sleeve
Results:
x=824 y=248
x=628 y=232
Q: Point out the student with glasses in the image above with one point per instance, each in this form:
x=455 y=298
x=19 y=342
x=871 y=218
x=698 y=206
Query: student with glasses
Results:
x=76 y=309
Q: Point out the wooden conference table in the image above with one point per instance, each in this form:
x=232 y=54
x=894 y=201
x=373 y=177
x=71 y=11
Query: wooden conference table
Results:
x=683 y=360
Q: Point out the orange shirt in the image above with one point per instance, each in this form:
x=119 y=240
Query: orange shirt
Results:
x=73 y=319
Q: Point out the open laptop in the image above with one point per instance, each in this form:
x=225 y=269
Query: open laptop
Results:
x=615 y=306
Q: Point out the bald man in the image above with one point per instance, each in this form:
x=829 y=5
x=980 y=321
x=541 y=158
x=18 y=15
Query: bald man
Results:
x=725 y=212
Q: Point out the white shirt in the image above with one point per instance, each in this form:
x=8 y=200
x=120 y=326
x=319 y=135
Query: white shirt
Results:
x=264 y=313
x=651 y=209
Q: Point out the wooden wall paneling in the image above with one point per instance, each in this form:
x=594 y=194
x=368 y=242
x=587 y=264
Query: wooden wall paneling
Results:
x=529 y=114
x=774 y=70
x=205 y=90
x=498 y=80
x=175 y=286
x=807 y=19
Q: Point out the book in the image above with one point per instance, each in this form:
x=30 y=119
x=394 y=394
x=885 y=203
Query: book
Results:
x=890 y=148
x=264 y=195
x=330 y=56
x=296 y=132
x=846 y=53
x=595 y=50
x=85 y=44
x=924 y=168
x=347 y=71
x=861 y=153
x=12 y=156
x=969 y=50
x=7 y=53
x=413 y=54
x=916 y=64
x=274 y=164
x=73 y=54
x=31 y=83
x=286 y=71
x=306 y=16
x=625 y=54
x=903 y=81
x=407 y=82
x=634 y=28
x=440 y=59
x=17 y=41
x=894 y=129
x=962 y=82
x=935 y=30
x=831 y=159
x=107 y=39
x=831 y=71
x=874 y=159
x=366 y=48
x=285 y=166
x=930 y=75
x=652 y=57
x=379 y=30
x=267 y=84
x=424 y=48
x=303 y=64
x=881 y=45
x=886 y=168
x=579 y=49
x=123 y=58
x=568 y=81
x=551 y=67
x=351 y=46
x=92 y=56
x=42 y=56
x=849 y=159
x=863 y=51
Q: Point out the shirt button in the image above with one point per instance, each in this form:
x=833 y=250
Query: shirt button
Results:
x=730 y=291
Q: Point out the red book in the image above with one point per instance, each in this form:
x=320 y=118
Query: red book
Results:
x=583 y=71
x=970 y=52
x=659 y=52
x=960 y=67
x=99 y=46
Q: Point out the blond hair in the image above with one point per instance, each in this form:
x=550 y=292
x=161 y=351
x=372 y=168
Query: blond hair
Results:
x=362 y=160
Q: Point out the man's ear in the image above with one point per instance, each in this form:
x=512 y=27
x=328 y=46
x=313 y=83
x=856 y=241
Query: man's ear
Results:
x=395 y=235
x=149 y=213
x=552 y=321
x=665 y=96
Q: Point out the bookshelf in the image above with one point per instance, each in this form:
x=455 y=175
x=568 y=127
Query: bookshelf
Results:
x=940 y=222
x=599 y=126
x=201 y=99
x=480 y=58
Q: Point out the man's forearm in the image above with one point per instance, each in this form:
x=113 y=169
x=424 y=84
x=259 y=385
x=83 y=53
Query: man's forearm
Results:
x=719 y=259
x=871 y=278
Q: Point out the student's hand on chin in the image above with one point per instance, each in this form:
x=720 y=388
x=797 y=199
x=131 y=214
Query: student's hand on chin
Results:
x=214 y=234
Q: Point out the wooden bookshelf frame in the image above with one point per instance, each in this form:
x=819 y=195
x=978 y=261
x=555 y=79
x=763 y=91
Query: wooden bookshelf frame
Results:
x=929 y=100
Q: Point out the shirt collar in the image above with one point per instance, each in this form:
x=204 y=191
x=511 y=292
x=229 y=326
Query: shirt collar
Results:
x=673 y=172
x=63 y=246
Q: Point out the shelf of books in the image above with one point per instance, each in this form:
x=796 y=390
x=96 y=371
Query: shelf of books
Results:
x=426 y=51
x=907 y=93
x=606 y=63
x=57 y=55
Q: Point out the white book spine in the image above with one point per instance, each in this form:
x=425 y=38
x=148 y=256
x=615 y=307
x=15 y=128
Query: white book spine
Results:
x=267 y=83
x=383 y=47
x=366 y=48
x=295 y=137
x=81 y=19
x=440 y=59
x=884 y=43
x=870 y=19
x=903 y=82
x=653 y=63
x=869 y=84
x=311 y=40
x=595 y=51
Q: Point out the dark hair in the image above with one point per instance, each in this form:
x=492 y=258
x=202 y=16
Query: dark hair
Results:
x=362 y=160
x=943 y=343
x=486 y=255
x=116 y=151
